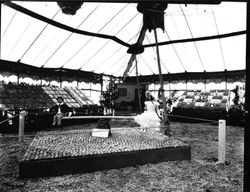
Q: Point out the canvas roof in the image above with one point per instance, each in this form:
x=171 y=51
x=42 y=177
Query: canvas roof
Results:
x=40 y=44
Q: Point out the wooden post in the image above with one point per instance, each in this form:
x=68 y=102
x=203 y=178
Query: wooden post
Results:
x=165 y=117
x=21 y=126
x=222 y=141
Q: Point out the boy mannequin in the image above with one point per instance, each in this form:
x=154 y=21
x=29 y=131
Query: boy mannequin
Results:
x=61 y=110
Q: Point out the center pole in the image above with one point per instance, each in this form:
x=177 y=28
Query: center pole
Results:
x=165 y=117
x=137 y=82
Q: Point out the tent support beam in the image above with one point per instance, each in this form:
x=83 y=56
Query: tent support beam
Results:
x=130 y=63
x=198 y=39
x=133 y=56
x=165 y=117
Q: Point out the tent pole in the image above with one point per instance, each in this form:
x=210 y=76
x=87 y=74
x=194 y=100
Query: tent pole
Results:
x=247 y=88
x=225 y=79
x=137 y=83
x=165 y=117
x=0 y=29
x=101 y=84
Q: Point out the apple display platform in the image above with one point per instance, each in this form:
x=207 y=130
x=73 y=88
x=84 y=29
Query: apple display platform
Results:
x=63 y=152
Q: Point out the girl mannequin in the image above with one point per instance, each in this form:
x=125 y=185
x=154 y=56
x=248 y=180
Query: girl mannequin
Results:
x=149 y=118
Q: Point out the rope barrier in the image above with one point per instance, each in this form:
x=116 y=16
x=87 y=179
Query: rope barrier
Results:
x=8 y=119
x=99 y=117
x=120 y=118
x=113 y=129
x=132 y=117
x=194 y=118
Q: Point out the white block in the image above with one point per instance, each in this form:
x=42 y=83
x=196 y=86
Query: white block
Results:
x=100 y=133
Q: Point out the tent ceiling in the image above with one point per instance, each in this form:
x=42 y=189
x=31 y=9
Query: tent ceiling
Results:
x=38 y=44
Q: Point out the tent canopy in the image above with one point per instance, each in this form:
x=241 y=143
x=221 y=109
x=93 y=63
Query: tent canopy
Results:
x=39 y=44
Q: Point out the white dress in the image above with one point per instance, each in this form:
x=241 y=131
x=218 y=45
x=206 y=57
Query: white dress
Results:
x=149 y=118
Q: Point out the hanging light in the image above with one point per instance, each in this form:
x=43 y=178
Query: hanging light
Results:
x=153 y=14
x=69 y=7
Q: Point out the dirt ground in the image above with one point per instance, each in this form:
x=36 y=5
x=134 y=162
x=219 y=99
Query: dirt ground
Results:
x=199 y=174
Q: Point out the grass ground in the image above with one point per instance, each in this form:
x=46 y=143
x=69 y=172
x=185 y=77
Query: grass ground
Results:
x=199 y=174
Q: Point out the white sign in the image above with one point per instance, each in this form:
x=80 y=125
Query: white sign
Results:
x=100 y=133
